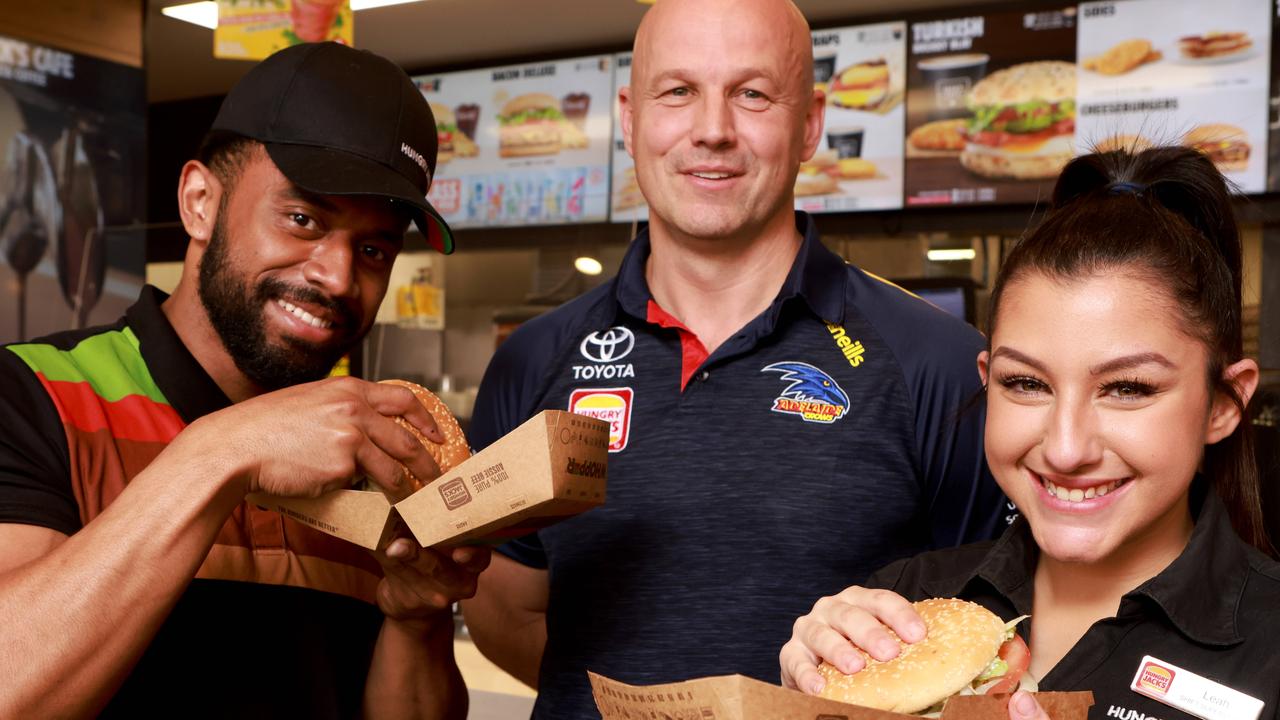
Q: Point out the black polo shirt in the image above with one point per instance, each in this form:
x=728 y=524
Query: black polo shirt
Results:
x=1214 y=611
x=819 y=442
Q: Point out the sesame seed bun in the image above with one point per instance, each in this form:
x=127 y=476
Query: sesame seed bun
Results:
x=442 y=114
x=1214 y=133
x=962 y=639
x=455 y=448
x=1048 y=80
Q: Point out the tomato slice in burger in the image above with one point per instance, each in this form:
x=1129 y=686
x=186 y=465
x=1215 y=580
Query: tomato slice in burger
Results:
x=1017 y=656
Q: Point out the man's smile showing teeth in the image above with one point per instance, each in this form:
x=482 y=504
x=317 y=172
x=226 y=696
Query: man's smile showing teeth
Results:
x=303 y=315
x=1078 y=494
x=711 y=175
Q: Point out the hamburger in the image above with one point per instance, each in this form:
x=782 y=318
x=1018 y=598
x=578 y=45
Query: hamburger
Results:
x=1226 y=145
x=530 y=124
x=967 y=650
x=1024 y=122
x=448 y=454
x=864 y=86
x=446 y=131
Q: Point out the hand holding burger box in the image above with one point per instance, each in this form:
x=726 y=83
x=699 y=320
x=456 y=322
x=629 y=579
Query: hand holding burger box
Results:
x=551 y=467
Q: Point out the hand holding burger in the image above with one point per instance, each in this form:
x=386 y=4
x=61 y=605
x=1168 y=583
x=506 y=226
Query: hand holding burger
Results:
x=875 y=649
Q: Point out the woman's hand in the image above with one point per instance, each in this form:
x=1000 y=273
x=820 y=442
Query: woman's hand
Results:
x=840 y=625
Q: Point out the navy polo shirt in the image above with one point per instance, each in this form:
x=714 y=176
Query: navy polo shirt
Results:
x=825 y=439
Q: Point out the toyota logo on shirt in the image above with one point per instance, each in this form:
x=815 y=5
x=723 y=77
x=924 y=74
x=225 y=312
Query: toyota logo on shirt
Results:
x=610 y=345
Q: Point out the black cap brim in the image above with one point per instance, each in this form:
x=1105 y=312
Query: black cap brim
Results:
x=333 y=172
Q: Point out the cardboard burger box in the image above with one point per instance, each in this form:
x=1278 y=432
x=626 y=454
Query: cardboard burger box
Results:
x=735 y=697
x=550 y=468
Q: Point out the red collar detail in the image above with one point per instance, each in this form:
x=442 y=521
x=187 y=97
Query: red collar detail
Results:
x=692 y=352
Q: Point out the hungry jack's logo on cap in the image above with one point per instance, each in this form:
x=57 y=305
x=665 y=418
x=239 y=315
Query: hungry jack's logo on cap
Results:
x=1155 y=678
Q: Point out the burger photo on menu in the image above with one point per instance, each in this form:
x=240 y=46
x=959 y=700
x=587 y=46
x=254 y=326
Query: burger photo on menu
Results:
x=1226 y=145
x=1023 y=123
x=530 y=124
x=967 y=650
x=449 y=140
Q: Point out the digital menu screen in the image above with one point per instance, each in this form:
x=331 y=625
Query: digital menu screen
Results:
x=991 y=106
x=1152 y=72
x=858 y=165
x=522 y=144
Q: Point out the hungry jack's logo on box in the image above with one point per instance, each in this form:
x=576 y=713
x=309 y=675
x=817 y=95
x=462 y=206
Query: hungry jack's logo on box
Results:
x=1155 y=678
x=455 y=493
x=612 y=405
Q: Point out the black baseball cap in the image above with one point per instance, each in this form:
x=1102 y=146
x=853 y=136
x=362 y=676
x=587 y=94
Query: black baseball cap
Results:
x=341 y=121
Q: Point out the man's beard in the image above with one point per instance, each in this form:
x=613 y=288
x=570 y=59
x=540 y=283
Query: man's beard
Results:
x=237 y=314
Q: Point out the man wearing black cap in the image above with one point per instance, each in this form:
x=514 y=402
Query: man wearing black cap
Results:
x=133 y=574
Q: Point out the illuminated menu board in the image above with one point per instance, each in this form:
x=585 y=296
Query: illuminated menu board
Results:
x=522 y=144
x=1151 y=74
x=991 y=106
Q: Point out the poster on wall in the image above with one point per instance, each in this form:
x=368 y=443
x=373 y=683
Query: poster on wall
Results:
x=72 y=203
x=254 y=29
x=523 y=144
x=991 y=106
x=858 y=165
x=1151 y=73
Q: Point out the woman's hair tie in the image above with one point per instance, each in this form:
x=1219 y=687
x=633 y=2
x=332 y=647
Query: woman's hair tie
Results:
x=1122 y=187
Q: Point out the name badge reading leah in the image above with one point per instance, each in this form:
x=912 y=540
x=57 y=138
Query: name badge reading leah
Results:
x=1192 y=693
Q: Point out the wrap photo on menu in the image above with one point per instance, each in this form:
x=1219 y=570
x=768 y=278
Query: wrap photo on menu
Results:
x=524 y=144
x=861 y=71
x=991 y=106
x=1154 y=72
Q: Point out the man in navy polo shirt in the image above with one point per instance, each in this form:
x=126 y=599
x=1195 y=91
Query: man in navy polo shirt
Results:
x=782 y=423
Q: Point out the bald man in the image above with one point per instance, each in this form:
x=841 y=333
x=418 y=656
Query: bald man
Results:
x=782 y=423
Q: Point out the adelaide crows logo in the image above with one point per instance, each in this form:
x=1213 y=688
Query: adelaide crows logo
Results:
x=812 y=394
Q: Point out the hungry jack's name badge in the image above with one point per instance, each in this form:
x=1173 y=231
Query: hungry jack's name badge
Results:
x=1192 y=693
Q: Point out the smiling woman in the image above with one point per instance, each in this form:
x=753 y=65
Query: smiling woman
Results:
x=1116 y=394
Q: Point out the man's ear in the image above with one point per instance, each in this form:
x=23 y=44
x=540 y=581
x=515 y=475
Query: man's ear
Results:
x=199 y=195
x=626 y=110
x=814 y=118
x=1225 y=415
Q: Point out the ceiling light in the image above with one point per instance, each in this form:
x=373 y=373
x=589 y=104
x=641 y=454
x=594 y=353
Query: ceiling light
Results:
x=588 y=265
x=205 y=13
x=952 y=254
